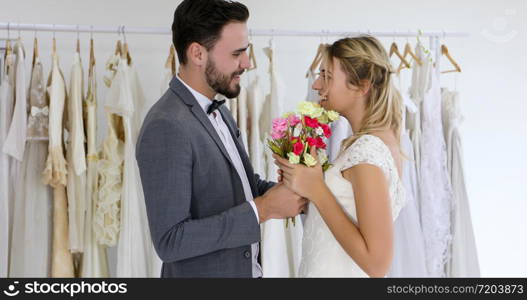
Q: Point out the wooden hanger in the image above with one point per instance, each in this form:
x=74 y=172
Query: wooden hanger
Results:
x=171 y=60
x=444 y=51
x=125 y=52
x=35 y=51
x=54 y=46
x=316 y=60
x=395 y=50
x=92 y=58
x=408 y=51
x=118 y=48
x=252 y=58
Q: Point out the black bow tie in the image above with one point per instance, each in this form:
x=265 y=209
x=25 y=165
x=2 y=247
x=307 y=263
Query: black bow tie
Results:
x=215 y=105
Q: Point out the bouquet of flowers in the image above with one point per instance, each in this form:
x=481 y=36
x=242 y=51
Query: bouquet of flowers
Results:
x=295 y=133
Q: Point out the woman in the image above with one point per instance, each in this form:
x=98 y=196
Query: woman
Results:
x=348 y=230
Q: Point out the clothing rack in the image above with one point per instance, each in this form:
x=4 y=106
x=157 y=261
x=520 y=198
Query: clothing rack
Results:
x=434 y=36
x=254 y=32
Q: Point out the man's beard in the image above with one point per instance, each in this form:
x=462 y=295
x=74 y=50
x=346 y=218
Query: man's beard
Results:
x=220 y=82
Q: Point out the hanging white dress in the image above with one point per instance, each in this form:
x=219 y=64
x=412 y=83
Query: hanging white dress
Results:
x=436 y=190
x=94 y=259
x=281 y=246
x=464 y=256
x=255 y=102
x=413 y=120
x=55 y=174
x=15 y=142
x=241 y=100
x=76 y=157
x=138 y=212
x=7 y=94
x=135 y=253
x=409 y=247
x=32 y=221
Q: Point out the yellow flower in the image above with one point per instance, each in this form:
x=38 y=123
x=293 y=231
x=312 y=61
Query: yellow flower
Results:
x=293 y=158
x=323 y=119
x=309 y=109
x=309 y=160
x=333 y=115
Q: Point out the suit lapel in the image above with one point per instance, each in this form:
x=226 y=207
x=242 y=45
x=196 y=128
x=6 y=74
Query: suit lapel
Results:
x=243 y=155
x=186 y=96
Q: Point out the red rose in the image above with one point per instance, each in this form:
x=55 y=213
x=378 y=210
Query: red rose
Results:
x=313 y=123
x=327 y=131
x=311 y=141
x=298 y=147
x=320 y=143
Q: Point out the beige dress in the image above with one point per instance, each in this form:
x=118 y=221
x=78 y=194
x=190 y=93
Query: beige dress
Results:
x=6 y=182
x=94 y=259
x=55 y=174
x=76 y=157
x=32 y=221
x=107 y=213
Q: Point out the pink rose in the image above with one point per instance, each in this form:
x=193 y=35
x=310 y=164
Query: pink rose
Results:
x=277 y=135
x=293 y=120
x=279 y=125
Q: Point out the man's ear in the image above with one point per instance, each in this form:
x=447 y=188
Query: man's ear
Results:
x=197 y=54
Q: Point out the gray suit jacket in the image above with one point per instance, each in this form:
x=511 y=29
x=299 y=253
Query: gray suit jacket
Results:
x=200 y=223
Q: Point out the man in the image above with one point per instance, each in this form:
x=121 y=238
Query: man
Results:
x=203 y=200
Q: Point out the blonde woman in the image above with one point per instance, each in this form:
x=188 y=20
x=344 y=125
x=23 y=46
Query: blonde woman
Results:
x=348 y=230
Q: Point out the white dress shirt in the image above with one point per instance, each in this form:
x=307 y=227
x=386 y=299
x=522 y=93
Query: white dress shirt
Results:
x=226 y=138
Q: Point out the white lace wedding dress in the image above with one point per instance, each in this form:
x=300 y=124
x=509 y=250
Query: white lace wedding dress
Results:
x=322 y=255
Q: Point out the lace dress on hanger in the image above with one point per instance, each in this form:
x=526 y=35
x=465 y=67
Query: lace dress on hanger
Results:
x=55 y=174
x=94 y=259
x=32 y=221
x=436 y=191
x=135 y=253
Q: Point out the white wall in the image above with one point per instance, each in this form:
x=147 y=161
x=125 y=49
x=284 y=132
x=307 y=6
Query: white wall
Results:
x=493 y=59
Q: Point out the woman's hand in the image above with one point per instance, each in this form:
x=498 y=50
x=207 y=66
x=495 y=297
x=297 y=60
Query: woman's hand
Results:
x=303 y=180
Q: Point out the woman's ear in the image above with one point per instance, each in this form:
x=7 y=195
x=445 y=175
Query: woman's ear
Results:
x=365 y=86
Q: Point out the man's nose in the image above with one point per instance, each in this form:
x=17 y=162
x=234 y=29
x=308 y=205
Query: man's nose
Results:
x=245 y=62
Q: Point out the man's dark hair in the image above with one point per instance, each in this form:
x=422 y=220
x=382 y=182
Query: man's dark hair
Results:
x=201 y=21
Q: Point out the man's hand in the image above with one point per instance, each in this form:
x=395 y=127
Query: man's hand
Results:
x=279 y=202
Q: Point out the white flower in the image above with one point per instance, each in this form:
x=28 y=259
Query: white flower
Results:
x=297 y=130
x=309 y=160
x=319 y=131
x=310 y=109
x=322 y=157
x=293 y=158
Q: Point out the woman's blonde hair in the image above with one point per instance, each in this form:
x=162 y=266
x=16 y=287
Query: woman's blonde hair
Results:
x=364 y=58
